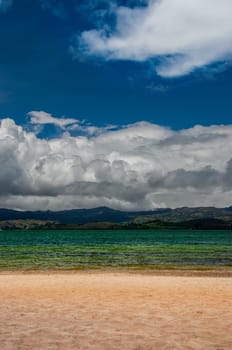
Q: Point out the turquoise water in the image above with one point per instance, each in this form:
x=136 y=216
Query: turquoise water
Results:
x=101 y=249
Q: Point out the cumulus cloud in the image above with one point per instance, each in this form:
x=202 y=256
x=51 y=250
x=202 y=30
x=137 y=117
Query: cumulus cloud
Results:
x=40 y=118
x=180 y=35
x=5 y=4
x=43 y=118
x=140 y=166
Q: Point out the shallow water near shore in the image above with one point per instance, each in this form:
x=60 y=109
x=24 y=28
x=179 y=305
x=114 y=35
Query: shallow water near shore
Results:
x=63 y=249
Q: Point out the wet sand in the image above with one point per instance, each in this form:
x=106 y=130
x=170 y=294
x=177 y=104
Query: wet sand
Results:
x=112 y=310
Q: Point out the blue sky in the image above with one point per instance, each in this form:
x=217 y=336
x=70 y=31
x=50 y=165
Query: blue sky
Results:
x=38 y=72
x=122 y=103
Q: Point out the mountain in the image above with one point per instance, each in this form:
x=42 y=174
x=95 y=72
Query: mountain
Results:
x=104 y=214
x=187 y=214
x=74 y=216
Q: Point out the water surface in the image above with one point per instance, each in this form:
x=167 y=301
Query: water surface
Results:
x=65 y=249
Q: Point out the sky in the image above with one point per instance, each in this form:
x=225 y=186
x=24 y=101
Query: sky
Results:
x=122 y=103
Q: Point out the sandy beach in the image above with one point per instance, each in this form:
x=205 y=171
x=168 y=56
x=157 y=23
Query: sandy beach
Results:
x=113 y=310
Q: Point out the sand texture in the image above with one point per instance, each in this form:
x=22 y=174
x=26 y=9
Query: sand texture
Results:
x=104 y=311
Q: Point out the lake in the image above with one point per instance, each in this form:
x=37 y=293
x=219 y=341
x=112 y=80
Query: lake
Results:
x=65 y=249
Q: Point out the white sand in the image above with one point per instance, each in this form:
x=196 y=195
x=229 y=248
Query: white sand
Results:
x=106 y=311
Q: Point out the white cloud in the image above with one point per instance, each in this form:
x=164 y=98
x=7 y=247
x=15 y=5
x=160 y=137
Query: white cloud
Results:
x=182 y=35
x=5 y=4
x=43 y=118
x=140 y=166
x=40 y=118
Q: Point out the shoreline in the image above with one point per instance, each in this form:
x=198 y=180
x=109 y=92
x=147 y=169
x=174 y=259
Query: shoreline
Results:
x=224 y=273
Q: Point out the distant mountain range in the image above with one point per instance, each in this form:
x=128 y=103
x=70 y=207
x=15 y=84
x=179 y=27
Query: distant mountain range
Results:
x=74 y=216
x=103 y=217
x=187 y=214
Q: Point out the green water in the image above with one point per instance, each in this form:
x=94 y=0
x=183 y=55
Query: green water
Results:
x=25 y=250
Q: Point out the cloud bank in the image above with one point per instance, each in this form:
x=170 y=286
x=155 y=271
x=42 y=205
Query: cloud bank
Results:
x=140 y=166
x=179 y=35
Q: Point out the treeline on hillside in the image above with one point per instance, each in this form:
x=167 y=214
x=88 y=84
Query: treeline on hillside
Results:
x=198 y=224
